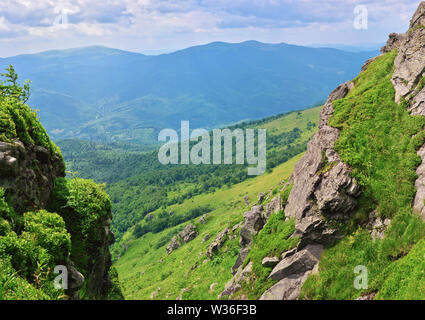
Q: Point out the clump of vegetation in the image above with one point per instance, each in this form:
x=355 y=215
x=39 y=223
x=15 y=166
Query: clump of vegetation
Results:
x=379 y=140
x=18 y=120
x=85 y=207
x=33 y=243
x=29 y=257
x=273 y=240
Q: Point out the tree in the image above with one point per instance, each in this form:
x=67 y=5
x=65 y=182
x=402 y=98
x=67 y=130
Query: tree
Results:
x=11 y=88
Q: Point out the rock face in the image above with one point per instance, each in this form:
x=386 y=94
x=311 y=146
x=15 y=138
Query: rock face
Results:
x=323 y=187
x=323 y=190
x=254 y=222
x=27 y=173
x=100 y=282
x=236 y=282
x=409 y=84
x=299 y=263
x=270 y=262
x=410 y=61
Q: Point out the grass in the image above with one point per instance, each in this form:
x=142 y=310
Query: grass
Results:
x=379 y=140
x=141 y=272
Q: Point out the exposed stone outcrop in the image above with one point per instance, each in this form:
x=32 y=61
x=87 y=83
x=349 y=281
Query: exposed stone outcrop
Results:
x=173 y=245
x=254 y=222
x=236 y=282
x=270 y=262
x=323 y=190
x=410 y=61
x=286 y=289
x=100 y=281
x=323 y=187
x=299 y=263
x=274 y=206
x=27 y=173
x=217 y=243
x=409 y=84
x=187 y=234
x=377 y=225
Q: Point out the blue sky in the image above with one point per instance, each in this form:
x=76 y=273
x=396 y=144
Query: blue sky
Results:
x=160 y=25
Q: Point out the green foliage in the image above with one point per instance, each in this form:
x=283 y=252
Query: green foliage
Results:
x=379 y=140
x=85 y=207
x=27 y=259
x=138 y=184
x=18 y=120
x=50 y=233
x=166 y=220
x=376 y=138
x=336 y=268
x=272 y=241
x=11 y=87
x=405 y=278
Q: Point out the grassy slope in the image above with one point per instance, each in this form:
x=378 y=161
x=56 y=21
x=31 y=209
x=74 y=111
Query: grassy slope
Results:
x=379 y=140
x=174 y=274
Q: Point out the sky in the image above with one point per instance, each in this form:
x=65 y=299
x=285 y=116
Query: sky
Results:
x=156 y=26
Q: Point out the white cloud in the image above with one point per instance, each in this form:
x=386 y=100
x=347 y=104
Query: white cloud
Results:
x=160 y=24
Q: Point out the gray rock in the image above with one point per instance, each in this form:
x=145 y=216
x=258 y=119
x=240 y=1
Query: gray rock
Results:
x=410 y=61
x=173 y=245
x=246 y=199
x=188 y=233
x=254 y=222
x=212 y=286
x=274 y=206
x=299 y=263
x=236 y=282
x=206 y=238
x=394 y=42
x=288 y=253
x=286 y=289
x=270 y=262
x=261 y=197
x=218 y=242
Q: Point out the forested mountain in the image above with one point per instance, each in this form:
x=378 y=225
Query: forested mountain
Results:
x=103 y=94
x=139 y=184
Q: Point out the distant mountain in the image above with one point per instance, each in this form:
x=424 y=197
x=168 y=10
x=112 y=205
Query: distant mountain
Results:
x=104 y=94
x=352 y=48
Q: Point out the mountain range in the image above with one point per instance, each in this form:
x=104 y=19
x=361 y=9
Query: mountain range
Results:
x=103 y=94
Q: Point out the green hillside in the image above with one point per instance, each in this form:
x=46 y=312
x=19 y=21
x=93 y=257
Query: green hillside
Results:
x=138 y=184
x=141 y=271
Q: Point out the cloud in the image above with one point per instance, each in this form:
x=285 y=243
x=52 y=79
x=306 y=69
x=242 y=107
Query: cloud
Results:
x=162 y=22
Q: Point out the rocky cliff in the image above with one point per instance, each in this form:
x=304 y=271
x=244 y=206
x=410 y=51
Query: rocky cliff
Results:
x=32 y=174
x=328 y=203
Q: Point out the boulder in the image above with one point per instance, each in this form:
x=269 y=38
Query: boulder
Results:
x=218 y=242
x=274 y=206
x=173 y=245
x=286 y=289
x=270 y=262
x=236 y=282
x=188 y=233
x=298 y=263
